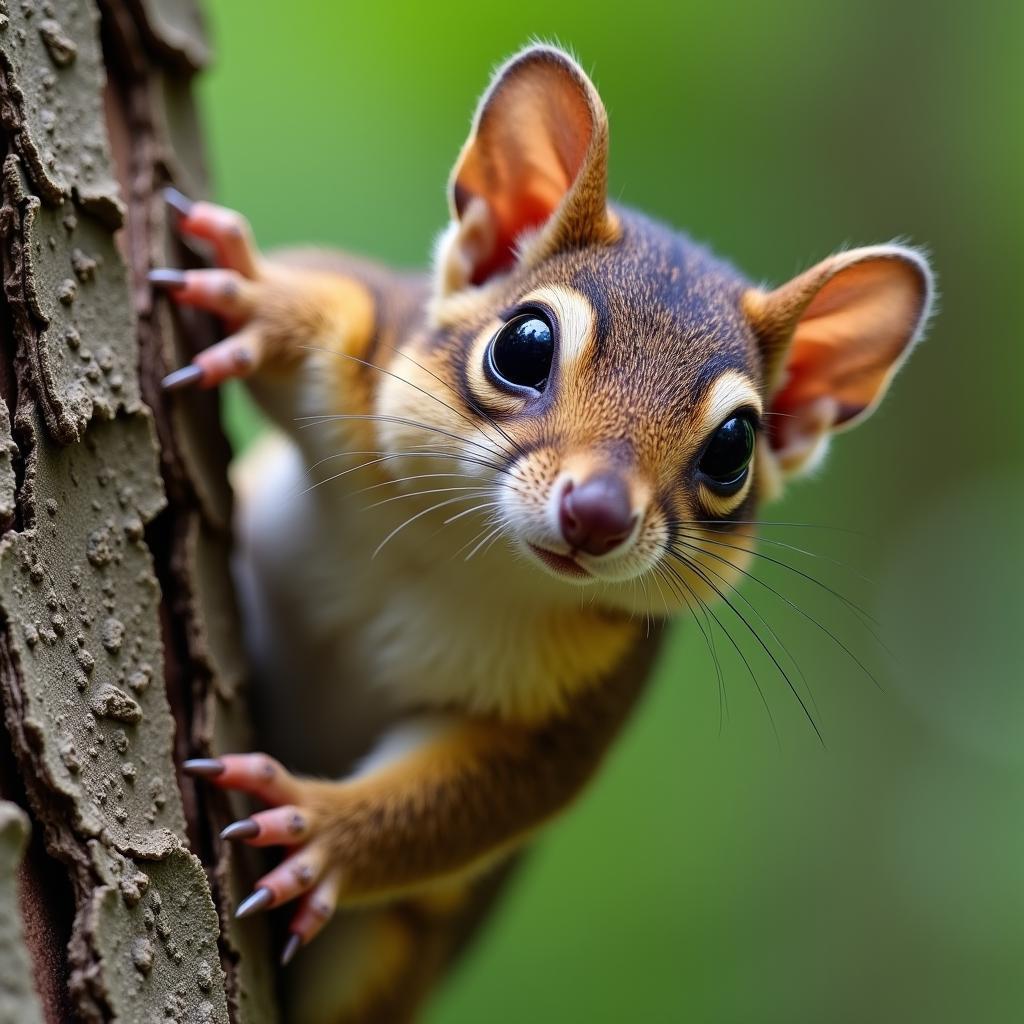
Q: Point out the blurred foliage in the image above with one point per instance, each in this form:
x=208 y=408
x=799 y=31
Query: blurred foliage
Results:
x=716 y=873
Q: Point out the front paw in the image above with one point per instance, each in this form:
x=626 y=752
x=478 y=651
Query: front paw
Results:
x=292 y=820
x=232 y=290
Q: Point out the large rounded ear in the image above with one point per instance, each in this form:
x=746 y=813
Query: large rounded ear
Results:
x=534 y=170
x=832 y=339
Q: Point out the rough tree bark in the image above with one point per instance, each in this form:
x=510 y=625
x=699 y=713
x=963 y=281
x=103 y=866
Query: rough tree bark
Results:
x=118 y=643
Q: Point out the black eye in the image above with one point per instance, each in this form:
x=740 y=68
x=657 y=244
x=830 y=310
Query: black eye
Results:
x=727 y=455
x=521 y=351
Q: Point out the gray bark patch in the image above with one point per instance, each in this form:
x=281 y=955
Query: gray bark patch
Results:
x=61 y=582
x=54 y=102
x=18 y=1001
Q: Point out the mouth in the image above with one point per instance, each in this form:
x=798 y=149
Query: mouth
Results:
x=562 y=564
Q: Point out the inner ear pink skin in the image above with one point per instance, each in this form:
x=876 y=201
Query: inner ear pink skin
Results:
x=537 y=153
x=832 y=338
x=850 y=338
x=527 y=213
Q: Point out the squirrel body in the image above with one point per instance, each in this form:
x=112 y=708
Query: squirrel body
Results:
x=489 y=490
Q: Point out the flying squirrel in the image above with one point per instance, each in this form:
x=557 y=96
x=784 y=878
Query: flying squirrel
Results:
x=489 y=489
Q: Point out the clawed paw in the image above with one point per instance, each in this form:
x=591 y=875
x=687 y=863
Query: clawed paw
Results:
x=306 y=874
x=231 y=290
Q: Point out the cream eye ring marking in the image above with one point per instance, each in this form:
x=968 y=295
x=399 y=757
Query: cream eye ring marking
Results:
x=724 y=417
x=573 y=323
x=720 y=506
x=723 y=500
x=731 y=392
x=577 y=323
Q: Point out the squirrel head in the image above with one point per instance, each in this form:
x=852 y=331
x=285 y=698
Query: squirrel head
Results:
x=629 y=397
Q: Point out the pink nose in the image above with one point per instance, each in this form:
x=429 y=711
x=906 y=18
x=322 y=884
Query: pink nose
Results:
x=596 y=516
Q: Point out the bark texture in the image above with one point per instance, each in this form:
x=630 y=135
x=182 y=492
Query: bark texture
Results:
x=119 y=647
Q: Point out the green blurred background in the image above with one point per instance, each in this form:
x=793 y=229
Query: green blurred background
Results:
x=715 y=873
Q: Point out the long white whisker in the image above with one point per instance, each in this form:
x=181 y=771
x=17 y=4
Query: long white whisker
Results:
x=355 y=469
x=319 y=418
x=493 y=535
x=420 y=494
x=468 y=511
x=415 y=476
x=421 y=451
x=489 y=522
x=476 y=408
x=413 y=518
x=424 y=391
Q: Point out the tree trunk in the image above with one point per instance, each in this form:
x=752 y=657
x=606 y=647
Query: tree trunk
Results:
x=119 y=645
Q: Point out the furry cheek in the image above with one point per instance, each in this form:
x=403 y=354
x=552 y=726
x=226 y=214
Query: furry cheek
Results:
x=419 y=432
x=526 y=497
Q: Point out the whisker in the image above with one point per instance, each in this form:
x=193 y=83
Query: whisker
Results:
x=792 y=604
x=475 y=508
x=422 y=391
x=316 y=419
x=695 y=568
x=412 y=519
x=683 y=594
x=365 y=465
x=775 y=542
x=491 y=537
x=639 y=580
x=661 y=593
x=708 y=610
x=516 y=447
x=707 y=634
x=852 y=605
x=416 y=476
x=488 y=526
x=420 y=494
x=417 y=452
x=723 y=693
x=725 y=523
x=736 y=647
x=771 y=631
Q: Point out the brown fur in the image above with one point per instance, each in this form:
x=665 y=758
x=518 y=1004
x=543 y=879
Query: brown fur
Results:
x=456 y=804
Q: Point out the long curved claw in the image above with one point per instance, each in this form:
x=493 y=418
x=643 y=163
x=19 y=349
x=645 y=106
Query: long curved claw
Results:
x=223 y=292
x=227 y=230
x=258 y=775
x=235 y=357
x=307 y=874
x=315 y=910
x=280 y=826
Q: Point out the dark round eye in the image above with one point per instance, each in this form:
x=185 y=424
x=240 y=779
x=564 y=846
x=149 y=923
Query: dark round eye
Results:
x=727 y=455
x=521 y=352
